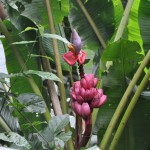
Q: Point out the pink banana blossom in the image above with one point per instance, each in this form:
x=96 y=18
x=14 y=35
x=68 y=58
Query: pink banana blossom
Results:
x=85 y=96
x=76 y=53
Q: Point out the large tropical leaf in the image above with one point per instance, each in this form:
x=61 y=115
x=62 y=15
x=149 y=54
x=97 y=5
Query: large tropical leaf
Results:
x=133 y=24
x=54 y=134
x=7 y=118
x=35 y=12
x=114 y=81
x=32 y=102
x=101 y=12
x=48 y=46
x=13 y=66
x=144 y=21
x=15 y=138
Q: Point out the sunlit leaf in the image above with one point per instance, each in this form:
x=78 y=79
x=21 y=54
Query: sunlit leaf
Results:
x=55 y=36
x=28 y=29
x=42 y=74
x=123 y=52
x=144 y=21
x=34 y=55
x=22 y=42
x=54 y=131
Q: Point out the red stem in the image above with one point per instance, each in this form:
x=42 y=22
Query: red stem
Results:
x=81 y=71
x=78 y=121
x=76 y=133
x=87 y=133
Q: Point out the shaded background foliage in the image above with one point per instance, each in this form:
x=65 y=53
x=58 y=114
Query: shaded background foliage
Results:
x=124 y=54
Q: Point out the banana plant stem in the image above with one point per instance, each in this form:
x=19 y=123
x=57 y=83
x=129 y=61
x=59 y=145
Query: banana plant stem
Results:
x=57 y=58
x=123 y=102
x=91 y=22
x=22 y=64
x=50 y=84
x=4 y=125
x=58 y=67
x=129 y=111
x=124 y=20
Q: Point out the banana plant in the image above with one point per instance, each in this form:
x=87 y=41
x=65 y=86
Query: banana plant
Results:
x=114 y=49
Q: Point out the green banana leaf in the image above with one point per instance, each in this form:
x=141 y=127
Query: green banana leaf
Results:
x=101 y=13
x=144 y=21
x=7 y=118
x=125 y=62
x=133 y=25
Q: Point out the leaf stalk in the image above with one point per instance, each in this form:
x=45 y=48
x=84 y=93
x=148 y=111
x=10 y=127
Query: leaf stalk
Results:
x=57 y=59
x=124 y=20
x=22 y=64
x=91 y=22
x=123 y=102
x=129 y=110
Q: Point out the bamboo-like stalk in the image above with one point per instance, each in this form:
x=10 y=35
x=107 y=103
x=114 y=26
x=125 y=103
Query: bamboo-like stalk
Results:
x=50 y=84
x=129 y=110
x=91 y=22
x=58 y=67
x=57 y=58
x=4 y=125
x=22 y=64
x=124 y=20
x=123 y=102
x=3 y=13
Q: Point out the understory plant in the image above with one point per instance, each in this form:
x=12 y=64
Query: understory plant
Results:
x=84 y=95
x=67 y=58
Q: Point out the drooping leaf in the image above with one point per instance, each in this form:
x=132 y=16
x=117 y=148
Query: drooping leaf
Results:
x=35 y=143
x=48 y=46
x=118 y=12
x=125 y=58
x=144 y=21
x=61 y=139
x=18 y=24
x=55 y=36
x=133 y=24
x=54 y=131
x=101 y=12
x=34 y=10
x=22 y=42
x=28 y=29
x=32 y=102
x=15 y=138
x=44 y=75
x=34 y=55
x=124 y=53
x=6 y=116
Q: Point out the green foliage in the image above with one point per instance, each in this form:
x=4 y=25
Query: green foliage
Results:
x=48 y=45
x=8 y=121
x=15 y=138
x=118 y=52
x=101 y=12
x=114 y=62
x=53 y=134
x=32 y=102
x=133 y=25
x=144 y=21
x=43 y=75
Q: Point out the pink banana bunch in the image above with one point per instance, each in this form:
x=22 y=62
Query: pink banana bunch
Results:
x=85 y=96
